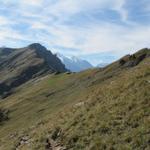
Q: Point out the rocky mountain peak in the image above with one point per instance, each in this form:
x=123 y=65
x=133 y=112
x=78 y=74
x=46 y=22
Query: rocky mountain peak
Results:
x=22 y=64
x=36 y=46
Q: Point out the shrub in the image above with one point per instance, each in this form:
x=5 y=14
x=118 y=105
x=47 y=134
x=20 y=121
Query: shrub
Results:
x=3 y=115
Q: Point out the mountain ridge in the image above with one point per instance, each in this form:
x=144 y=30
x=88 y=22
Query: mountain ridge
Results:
x=21 y=64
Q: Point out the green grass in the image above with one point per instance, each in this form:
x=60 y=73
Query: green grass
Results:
x=114 y=113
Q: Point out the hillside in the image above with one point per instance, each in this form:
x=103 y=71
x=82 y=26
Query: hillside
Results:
x=20 y=65
x=95 y=109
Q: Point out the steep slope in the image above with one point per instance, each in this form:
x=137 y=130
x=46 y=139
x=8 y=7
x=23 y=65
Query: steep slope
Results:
x=74 y=64
x=95 y=109
x=20 y=65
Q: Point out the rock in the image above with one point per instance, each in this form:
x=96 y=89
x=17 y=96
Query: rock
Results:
x=79 y=104
x=48 y=145
x=148 y=81
x=23 y=140
x=135 y=59
x=56 y=133
x=13 y=135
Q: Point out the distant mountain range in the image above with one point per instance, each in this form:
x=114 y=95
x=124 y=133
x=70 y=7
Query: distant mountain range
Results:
x=73 y=63
x=101 y=65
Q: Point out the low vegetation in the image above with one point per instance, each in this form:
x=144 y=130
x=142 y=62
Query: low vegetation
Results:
x=3 y=115
x=96 y=109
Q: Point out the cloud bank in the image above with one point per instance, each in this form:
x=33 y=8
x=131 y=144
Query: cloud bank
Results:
x=77 y=27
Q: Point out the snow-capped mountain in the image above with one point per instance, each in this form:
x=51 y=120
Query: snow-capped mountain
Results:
x=101 y=65
x=73 y=63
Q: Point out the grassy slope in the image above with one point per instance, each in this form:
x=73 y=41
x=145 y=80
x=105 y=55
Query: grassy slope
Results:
x=115 y=113
x=116 y=117
x=38 y=100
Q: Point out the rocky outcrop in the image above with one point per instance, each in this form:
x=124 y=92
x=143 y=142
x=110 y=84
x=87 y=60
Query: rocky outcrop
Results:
x=135 y=59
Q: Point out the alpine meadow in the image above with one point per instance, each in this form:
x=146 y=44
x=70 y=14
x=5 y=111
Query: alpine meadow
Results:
x=74 y=75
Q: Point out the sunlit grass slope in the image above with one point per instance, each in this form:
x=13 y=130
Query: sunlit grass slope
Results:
x=91 y=110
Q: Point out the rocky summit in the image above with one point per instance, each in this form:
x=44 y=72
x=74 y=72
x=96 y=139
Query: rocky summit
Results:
x=22 y=64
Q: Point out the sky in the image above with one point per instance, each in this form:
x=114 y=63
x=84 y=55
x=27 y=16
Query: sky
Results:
x=99 y=31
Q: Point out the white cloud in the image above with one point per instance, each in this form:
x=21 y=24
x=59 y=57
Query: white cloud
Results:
x=46 y=25
x=4 y=21
x=69 y=7
x=8 y=35
x=119 y=6
x=32 y=2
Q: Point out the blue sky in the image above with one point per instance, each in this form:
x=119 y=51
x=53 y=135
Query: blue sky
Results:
x=98 y=30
